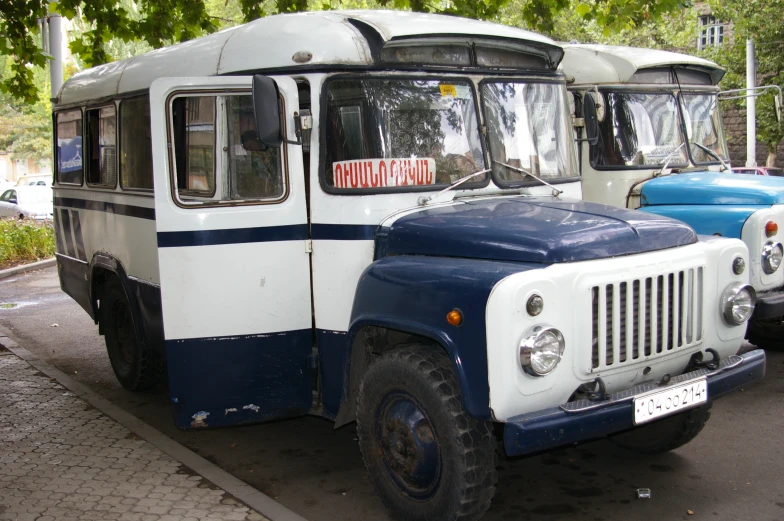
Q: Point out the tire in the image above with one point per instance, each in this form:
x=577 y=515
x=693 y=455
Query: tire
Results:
x=666 y=434
x=766 y=333
x=427 y=458
x=136 y=367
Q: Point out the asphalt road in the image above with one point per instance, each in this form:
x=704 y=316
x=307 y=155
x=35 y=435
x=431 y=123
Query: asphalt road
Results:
x=732 y=471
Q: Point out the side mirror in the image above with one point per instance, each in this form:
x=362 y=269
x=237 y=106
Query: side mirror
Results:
x=591 y=122
x=266 y=111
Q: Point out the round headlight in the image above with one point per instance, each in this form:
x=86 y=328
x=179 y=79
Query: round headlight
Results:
x=737 y=303
x=772 y=253
x=541 y=348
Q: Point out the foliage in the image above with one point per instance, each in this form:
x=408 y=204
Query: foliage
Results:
x=762 y=21
x=674 y=31
x=162 y=22
x=25 y=240
x=26 y=129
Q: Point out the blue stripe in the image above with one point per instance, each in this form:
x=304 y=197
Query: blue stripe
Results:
x=77 y=228
x=106 y=206
x=65 y=218
x=233 y=236
x=344 y=232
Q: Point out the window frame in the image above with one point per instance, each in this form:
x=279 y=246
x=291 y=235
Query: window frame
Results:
x=88 y=140
x=171 y=159
x=711 y=31
x=322 y=167
x=637 y=90
x=123 y=187
x=56 y=166
x=528 y=180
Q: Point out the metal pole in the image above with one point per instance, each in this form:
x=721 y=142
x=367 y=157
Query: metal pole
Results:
x=56 y=50
x=751 y=106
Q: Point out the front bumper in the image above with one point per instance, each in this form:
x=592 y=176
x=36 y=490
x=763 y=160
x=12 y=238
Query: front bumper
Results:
x=769 y=305
x=585 y=420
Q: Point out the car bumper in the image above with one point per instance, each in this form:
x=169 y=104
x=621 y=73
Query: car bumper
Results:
x=769 y=305
x=581 y=421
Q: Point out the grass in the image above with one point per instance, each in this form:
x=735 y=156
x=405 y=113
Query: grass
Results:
x=25 y=241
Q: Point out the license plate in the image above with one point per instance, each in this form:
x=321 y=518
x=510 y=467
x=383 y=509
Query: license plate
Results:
x=670 y=401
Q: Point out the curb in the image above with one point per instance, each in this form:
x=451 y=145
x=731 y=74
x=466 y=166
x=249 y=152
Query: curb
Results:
x=256 y=500
x=10 y=272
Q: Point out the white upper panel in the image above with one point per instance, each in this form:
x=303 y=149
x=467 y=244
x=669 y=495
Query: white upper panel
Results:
x=271 y=42
x=597 y=64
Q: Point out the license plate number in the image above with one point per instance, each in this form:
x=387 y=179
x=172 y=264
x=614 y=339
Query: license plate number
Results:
x=670 y=401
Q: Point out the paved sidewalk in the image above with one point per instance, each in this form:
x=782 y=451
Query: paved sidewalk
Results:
x=61 y=459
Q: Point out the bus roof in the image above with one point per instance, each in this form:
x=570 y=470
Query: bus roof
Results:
x=331 y=37
x=599 y=64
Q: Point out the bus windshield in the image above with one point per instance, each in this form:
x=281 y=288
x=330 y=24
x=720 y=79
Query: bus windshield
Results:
x=400 y=134
x=639 y=130
x=528 y=129
x=703 y=124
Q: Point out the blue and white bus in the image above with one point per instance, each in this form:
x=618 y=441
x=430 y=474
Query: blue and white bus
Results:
x=374 y=216
x=649 y=105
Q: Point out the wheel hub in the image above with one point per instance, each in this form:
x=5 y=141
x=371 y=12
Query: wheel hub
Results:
x=408 y=444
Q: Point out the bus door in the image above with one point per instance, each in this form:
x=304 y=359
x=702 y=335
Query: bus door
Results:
x=233 y=253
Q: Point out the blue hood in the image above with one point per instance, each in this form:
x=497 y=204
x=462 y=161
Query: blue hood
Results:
x=713 y=188
x=530 y=229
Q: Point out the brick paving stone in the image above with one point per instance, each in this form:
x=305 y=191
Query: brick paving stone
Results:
x=62 y=460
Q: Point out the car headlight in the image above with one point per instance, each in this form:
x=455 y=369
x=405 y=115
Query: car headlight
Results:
x=737 y=303
x=772 y=253
x=541 y=348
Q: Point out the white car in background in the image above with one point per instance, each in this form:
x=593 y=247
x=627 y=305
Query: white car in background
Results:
x=27 y=202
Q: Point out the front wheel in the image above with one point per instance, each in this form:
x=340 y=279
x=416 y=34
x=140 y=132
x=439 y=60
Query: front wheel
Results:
x=427 y=458
x=666 y=434
x=766 y=333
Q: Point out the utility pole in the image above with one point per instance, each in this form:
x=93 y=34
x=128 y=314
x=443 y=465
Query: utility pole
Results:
x=751 y=105
x=52 y=41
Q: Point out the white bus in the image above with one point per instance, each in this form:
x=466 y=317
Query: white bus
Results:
x=660 y=147
x=367 y=216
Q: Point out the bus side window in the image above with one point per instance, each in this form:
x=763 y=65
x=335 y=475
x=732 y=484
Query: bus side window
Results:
x=69 y=147
x=102 y=144
x=135 y=145
x=217 y=155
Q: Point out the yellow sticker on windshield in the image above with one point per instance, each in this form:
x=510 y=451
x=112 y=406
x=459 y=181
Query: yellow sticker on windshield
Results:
x=448 y=90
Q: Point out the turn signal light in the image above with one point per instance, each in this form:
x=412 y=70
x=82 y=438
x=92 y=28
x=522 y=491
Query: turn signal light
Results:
x=454 y=317
x=771 y=229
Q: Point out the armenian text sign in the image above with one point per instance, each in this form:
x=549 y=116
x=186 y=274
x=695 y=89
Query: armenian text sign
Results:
x=379 y=173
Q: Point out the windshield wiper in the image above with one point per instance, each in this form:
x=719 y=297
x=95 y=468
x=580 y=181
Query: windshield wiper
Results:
x=429 y=199
x=556 y=191
x=714 y=154
x=669 y=156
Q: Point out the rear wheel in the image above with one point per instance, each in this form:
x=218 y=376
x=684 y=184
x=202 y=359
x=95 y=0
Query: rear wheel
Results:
x=426 y=456
x=767 y=333
x=666 y=434
x=136 y=367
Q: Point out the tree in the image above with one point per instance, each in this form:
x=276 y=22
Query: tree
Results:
x=26 y=129
x=760 y=20
x=161 y=22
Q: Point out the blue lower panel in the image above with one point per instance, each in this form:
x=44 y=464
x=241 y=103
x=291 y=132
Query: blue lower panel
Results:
x=552 y=428
x=333 y=350
x=73 y=281
x=222 y=381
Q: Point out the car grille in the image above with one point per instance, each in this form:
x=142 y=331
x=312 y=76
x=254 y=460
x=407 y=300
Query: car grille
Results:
x=646 y=317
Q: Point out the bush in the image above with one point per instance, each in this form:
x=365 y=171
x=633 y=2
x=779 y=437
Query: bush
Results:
x=25 y=240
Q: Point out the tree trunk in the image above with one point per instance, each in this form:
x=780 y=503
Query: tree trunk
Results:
x=771 y=161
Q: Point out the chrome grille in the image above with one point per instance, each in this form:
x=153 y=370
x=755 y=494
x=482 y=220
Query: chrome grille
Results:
x=645 y=317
